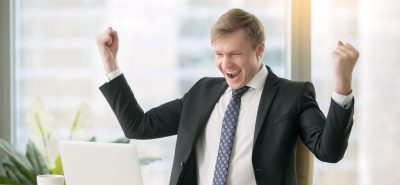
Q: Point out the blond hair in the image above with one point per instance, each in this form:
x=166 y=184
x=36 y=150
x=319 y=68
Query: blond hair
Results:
x=235 y=19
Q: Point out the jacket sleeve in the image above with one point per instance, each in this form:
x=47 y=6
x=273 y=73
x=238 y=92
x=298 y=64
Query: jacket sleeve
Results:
x=158 y=122
x=327 y=137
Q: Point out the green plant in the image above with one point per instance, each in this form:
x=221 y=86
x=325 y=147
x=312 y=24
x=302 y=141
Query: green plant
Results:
x=22 y=169
x=19 y=169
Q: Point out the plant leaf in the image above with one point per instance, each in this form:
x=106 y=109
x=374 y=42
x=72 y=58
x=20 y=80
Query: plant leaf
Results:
x=14 y=171
x=9 y=181
x=16 y=165
x=148 y=160
x=122 y=140
x=81 y=117
x=6 y=148
x=15 y=158
x=93 y=139
x=38 y=118
x=37 y=160
x=58 y=167
x=9 y=174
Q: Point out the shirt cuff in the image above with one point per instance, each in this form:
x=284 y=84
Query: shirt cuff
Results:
x=342 y=100
x=113 y=74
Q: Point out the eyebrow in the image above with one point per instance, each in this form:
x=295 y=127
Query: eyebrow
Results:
x=230 y=52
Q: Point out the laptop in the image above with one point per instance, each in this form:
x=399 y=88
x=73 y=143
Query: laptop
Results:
x=86 y=163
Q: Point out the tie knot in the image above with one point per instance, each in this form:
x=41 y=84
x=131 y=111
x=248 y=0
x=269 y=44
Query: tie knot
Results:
x=238 y=93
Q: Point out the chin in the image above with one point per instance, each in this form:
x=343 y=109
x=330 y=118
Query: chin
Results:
x=234 y=85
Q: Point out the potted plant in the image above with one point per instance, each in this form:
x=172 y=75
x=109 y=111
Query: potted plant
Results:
x=17 y=168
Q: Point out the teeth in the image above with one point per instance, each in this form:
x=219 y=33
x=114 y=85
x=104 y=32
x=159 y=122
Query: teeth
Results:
x=232 y=72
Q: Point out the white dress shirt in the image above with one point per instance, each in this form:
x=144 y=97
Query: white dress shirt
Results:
x=240 y=167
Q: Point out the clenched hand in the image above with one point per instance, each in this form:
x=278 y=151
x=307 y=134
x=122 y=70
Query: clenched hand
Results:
x=345 y=57
x=107 y=43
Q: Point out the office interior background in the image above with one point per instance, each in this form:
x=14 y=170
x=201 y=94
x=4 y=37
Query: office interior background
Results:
x=165 y=48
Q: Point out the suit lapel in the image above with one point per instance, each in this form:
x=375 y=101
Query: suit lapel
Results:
x=211 y=99
x=270 y=88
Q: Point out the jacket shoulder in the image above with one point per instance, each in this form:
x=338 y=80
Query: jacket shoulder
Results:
x=292 y=83
x=296 y=86
x=210 y=82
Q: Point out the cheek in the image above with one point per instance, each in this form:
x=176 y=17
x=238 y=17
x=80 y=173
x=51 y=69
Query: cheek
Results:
x=241 y=62
x=218 y=64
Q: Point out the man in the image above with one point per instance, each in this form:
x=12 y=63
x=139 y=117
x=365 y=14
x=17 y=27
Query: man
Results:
x=240 y=129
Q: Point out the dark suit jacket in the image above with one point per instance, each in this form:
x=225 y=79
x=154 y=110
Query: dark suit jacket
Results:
x=287 y=110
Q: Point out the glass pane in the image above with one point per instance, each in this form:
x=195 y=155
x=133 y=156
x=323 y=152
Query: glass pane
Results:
x=334 y=20
x=379 y=128
x=164 y=49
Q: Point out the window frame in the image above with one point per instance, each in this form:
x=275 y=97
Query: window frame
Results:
x=6 y=71
x=299 y=40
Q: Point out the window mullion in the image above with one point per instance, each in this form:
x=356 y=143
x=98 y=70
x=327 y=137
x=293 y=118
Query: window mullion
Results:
x=5 y=71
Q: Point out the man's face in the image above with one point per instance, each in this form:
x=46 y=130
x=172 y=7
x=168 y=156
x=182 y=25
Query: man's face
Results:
x=236 y=59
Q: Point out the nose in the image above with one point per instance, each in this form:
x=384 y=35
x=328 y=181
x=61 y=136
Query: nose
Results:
x=225 y=61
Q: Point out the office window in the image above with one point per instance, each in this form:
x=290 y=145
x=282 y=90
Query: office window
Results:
x=334 y=20
x=372 y=27
x=164 y=50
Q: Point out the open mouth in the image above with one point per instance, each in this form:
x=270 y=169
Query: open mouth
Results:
x=232 y=73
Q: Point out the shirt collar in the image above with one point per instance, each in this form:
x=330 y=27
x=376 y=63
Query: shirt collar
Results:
x=258 y=80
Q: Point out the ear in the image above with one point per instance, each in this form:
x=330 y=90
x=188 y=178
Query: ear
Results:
x=260 y=49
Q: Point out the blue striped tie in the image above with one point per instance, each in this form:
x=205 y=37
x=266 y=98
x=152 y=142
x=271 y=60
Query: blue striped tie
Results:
x=227 y=137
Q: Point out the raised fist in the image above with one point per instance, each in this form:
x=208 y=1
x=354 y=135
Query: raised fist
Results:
x=107 y=43
x=345 y=57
